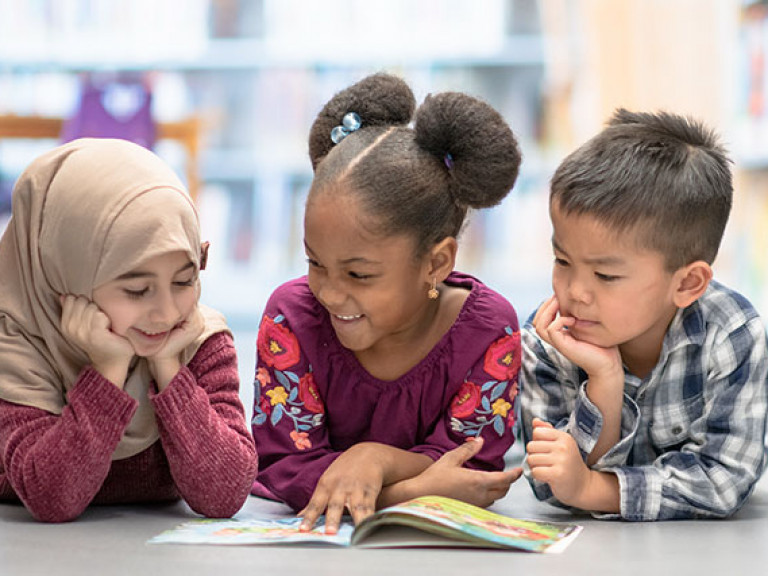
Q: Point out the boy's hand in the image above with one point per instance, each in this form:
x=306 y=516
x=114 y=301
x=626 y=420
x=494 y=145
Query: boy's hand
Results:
x=353 y=481
x=554 y=459
x=448 y=477
x=166 y=363
x=594 y=360
x=86 y=326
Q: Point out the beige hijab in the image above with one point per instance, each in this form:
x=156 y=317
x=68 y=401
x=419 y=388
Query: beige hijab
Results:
x=83 y=214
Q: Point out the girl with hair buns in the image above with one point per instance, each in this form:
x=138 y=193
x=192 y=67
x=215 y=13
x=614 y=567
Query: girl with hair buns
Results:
x=384 y=375
x=116 y=385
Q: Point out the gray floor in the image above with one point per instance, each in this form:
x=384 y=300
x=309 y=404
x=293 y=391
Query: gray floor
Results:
x=112 y=540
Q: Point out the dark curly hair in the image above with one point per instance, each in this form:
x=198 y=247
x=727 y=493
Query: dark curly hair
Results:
x=420 y=181
x=661 y=175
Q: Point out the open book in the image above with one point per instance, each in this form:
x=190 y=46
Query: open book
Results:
x=422 y=522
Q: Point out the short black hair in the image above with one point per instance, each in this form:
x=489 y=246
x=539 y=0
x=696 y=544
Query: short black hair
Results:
x=459 y=154
x=661 y=175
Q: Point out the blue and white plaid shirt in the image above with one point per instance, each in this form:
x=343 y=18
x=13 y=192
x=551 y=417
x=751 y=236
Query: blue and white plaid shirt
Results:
x=692 y=431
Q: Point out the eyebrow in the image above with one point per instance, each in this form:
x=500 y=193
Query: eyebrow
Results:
x=599 y=260
x=133 y=274
x=347 y=261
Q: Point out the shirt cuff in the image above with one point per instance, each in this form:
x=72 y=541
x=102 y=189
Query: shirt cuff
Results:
x=101 y=398
x=585 y=423
x=640 y=493
x=177 y=395
x=618 y=455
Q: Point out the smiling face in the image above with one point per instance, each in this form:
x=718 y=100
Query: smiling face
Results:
x=373 y=288
x=620 y=294
x=146 y=303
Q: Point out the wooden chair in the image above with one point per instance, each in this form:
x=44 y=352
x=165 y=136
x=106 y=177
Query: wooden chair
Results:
x=187 y=132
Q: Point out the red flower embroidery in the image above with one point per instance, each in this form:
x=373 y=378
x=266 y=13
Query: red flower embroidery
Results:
x=502 y=359
x=511 y=419
x=265 y=405
x=466 y=400
x=301 y=440
x=277 y=345
x=309 y=395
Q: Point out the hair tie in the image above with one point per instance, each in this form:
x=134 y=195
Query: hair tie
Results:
x=349 y=124
x=448 y=161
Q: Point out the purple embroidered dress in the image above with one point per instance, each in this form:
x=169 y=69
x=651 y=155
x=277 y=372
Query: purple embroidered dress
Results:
x=313 y=399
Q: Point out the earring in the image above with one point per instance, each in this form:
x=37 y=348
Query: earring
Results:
x=433 y=293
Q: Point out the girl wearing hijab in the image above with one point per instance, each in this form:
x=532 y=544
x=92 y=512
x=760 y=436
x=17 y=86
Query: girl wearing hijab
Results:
x=116 y=385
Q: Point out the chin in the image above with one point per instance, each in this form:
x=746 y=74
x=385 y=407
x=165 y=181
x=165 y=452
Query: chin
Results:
x=593 y=340
x=146 y=351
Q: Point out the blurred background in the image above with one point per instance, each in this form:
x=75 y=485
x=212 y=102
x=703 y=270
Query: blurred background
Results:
x=226 y=90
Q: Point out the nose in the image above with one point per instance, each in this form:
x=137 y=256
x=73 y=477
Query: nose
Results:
x=165 y=309
x=579 y=291
x=329 y=294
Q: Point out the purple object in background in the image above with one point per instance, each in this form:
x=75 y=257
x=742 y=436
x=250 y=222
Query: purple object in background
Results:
x=116 y=109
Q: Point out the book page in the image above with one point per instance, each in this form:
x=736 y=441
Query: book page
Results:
x=471 y=524
x=252 y=531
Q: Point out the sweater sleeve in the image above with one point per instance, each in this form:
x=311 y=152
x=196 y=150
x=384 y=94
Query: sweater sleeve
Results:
x=57 y=463
x=202 y=426
x=289 y=423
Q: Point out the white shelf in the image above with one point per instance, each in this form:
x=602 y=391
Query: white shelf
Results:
x=255 y=54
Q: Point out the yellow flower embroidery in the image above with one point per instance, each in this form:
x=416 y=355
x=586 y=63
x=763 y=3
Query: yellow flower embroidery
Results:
x=277 y=396
x=501 y=407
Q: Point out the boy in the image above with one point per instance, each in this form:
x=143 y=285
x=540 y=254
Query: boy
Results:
x=645 y=381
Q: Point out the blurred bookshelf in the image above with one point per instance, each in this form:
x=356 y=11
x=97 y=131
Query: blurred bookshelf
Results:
x=256 y=72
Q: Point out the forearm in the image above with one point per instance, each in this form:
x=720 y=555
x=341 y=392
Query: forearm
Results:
x=164 y=371
x=601 y=493
x=210 y=453
x=607 y=394
x=399 y=465
x=406 y=489
x=57 y=463
x=401 y=480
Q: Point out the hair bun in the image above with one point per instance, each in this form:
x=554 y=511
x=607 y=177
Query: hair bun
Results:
x=379 y=100
x=484 y=155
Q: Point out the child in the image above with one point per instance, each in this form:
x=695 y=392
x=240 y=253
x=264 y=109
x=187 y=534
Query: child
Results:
x=375 y=369
x=115 y=385
x=644 y=388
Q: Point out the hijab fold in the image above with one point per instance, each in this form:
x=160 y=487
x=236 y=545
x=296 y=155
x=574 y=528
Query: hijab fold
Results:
x=82 y=215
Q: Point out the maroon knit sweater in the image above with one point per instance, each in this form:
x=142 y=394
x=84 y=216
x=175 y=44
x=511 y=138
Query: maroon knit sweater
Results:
x=59 y=464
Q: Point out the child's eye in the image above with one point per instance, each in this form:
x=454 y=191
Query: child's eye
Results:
x=313 y=263
x=185 y=283
x=561 y=262
x=135 y=294
x=358 y=276
x=606 y=277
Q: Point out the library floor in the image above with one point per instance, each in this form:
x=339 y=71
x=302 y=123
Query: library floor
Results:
x=113 y=540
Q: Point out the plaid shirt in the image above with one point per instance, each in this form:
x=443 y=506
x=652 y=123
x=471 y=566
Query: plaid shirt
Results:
x=692 y=431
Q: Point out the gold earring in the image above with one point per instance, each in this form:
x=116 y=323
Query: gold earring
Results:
x=433 y=293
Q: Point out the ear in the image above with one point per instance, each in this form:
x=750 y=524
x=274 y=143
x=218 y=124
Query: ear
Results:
x=441 y=259
x=691 y=282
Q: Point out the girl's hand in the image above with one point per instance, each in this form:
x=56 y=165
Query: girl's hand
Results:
x=166 y=363
x=353 y=481
x=554 y=330
x=448 y=477
x=87 y=327
x=554 y=459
